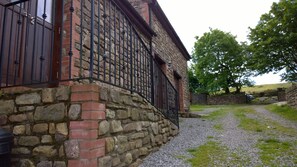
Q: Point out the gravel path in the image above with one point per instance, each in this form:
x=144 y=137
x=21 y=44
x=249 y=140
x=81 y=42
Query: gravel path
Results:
x=275 y=117
x=195 y=132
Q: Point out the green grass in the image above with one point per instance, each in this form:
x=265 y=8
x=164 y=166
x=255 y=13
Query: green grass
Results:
x=213 y=153
x=215 y=114
x=196 y=108
x=272 y=149
x=266 y=87
x=248 y=123
x=207 y=153
x=218 y=127
x=284 y=111
x=265 y=125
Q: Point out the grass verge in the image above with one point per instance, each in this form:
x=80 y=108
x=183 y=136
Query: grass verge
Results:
x=272 y=149
x=284 y=111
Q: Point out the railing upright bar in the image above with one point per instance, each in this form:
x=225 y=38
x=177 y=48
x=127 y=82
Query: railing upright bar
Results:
x=61 y=42
x=92 y=42
x=26 y=43
x=2 y=44
x=131 y=60
x=9 y=48
x=34 y=42
x=110 y=42
x=70 y=53
x=16 y=61
x=115 y=47
x=53 y=20
x=99 y=39
x=104 y=44
x=42 y=57
x=81 y=38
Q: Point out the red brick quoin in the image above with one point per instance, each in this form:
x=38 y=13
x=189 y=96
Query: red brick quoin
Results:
x=85 y=131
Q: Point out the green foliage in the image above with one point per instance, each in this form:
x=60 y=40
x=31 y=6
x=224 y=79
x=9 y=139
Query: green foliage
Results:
x=274 y=41
x=265 y=88
x=194 y=85
x=220 y=61
x=284 y=111
x=248 y=123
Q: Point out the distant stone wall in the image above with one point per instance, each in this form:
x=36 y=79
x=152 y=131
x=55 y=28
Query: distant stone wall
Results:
x=198 y=98
x=227 y=99
x=291 y=95
x=82 y=125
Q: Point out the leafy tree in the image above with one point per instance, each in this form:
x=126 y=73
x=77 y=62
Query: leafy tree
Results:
x=220 y=61
x=274 y=40
x=194 y=84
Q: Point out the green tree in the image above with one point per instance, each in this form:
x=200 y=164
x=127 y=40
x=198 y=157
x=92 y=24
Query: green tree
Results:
x=274 y=41
x=194 y=85
x=220 y=61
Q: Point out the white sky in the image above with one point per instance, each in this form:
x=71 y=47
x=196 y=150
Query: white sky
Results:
x=192 y=18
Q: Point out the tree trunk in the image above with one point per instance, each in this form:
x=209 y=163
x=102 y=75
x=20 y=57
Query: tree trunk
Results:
x=227 y=90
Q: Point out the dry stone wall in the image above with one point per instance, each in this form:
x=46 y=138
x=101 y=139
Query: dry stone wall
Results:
x=291 y=96
x=82 y=125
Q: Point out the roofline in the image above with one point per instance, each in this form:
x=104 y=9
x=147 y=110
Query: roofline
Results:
x=135 y=18
x=168 y=27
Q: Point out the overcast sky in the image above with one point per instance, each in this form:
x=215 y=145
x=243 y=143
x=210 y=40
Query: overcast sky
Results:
x=192 y=18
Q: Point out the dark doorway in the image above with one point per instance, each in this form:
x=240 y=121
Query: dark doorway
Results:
x=27 y=40
x=179 y=89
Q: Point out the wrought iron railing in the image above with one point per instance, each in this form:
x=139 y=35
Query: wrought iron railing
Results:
x=46 y=42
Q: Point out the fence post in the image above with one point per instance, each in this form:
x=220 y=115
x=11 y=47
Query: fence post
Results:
x=152 y=74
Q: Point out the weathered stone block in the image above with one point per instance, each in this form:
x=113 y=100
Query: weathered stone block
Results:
x=59 y=164
x=61 y=132
x=109 y=144
x=18 y=118
x=71 y=149
x=19 y=130
x=155 y=128
x=52 y=128
x=46 y=139
x=103 y=94
x=46 y=151
x=138 y=143
x=53 y=112
x=110 y=114
x=114 y=96
x=136 y=135
x=135 y=126
x=28 y=141
x=24 y=99
x=128 y=158
x=20 y=150
x=40 y=128
x=26 y=163
x=146 y=140
x=122 y=114
x=105 y=161
x=116 y=161
x=135 y=153
x=135 y=114
x=104 y=127
x=48 y=95
x=143 y=151
x=63 y=93
x=44 y=164
x=116 y=126
x=6 y=106
x=74 y=112
x=26 y=108
x=61 y=152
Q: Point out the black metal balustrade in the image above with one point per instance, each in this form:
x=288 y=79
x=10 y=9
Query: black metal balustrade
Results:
x=45 y=42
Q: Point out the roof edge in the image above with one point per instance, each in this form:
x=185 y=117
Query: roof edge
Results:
x=169 y=28
x=135 y=18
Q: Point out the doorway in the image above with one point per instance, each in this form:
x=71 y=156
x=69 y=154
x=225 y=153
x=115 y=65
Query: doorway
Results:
x=28 y=35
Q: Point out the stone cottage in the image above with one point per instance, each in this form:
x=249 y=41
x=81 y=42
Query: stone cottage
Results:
x=89 y=82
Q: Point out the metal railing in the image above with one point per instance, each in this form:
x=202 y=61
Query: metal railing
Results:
x=49 y=42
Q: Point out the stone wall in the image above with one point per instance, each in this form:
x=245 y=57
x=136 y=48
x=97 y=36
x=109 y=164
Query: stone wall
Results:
x=164 y=47
x=291 y=95
x=227 y=99
x=39 y=122
x=82 y=125
x=198 y=98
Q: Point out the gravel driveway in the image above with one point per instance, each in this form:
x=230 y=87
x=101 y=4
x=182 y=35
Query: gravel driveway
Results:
x=195 y=132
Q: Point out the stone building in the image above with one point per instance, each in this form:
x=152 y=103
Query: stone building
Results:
x=89 y=82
